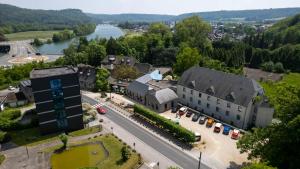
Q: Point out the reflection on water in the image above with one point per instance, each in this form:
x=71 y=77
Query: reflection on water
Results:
x=101 y=31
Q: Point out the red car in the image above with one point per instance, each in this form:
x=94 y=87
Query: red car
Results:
x=235 y=134
x=101 y=110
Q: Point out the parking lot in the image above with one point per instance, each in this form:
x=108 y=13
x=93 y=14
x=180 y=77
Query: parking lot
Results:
x=215 y=146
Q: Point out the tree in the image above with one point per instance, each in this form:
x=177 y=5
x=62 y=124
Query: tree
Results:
x=278 y=67
x=102 y=79
x=95 y=53
x=258 y=166
x=186 y=58
x=37 y=42
x=125 y=153
x=193 y=31
x=64 y=139
x=122 y=72
x=268 y=66
x=279 y=143
x=2 y=37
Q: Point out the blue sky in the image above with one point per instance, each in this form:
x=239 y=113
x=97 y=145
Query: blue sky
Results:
x=153 y=6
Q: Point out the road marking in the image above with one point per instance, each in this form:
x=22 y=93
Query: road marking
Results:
x=97 y=105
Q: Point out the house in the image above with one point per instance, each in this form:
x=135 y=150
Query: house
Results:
x=57 y=98
x=87 y=76
x=110 y=61
x=16 y=99
x=26 y=89
x=224 y=96
x=153 y=92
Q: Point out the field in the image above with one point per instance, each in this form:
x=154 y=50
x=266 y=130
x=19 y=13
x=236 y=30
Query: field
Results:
x=101 y=152
x=32 y=136
x=30 y=35
x=130 y=33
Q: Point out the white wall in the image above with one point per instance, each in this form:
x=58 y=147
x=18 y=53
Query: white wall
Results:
x=211 y=111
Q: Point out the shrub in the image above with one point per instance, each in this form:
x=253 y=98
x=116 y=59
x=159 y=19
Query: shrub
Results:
x=278 y=67
x=180 y=132
x=125 y=153
x=64 y=139
x=3 y=136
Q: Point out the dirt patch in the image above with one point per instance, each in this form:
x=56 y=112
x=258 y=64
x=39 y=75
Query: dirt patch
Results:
x=260 y=75
x=23 y=60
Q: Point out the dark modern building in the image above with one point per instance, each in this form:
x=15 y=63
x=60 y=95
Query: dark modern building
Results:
x=57 y=98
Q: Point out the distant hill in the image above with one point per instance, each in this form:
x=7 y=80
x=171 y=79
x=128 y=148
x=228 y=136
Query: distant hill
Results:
x=130 y=17
x=20 y=19
x=240 y=15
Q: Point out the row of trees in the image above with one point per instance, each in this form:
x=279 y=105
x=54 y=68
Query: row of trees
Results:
x=63 y=35
x=82 y=30
x=180 y=132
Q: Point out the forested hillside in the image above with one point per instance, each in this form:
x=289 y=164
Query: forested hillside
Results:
x=15 y=19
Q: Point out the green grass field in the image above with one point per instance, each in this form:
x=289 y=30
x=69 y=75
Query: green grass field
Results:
x=32 y=136
x=30 y=35
x=113 y=160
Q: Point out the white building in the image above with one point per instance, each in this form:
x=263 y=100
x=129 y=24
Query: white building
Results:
x=227 y=97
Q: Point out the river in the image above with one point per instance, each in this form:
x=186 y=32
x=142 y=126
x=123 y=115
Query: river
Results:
x=101 y=31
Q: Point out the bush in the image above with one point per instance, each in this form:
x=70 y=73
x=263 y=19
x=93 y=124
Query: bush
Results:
x=125 y=153
x=3 y=137
x=8 y=119
x=180 y=132
x=268 y=66
x=64 y=139
x=278 y=67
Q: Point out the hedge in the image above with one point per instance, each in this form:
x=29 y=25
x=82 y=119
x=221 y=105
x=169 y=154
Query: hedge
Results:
x=9 y=119
x=180 y=132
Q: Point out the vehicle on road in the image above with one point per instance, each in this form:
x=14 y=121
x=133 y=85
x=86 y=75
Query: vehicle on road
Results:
x=226 y=130
x=202 y=119
x=188 y=114
x=210 y=122
x=195 y=117
x=235 y=134
x=101 y=110
x=11 y=88
x=217 y=128
x=38 y=54
x=197 y=136
x=13 y=56
x=183 y=110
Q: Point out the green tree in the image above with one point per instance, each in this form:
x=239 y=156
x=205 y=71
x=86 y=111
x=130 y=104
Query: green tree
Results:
x=2 y=37
x=258 y=166
x=278 y=67
x=268 y=66
x=193 y=31
x=102 y=79
x=186 y=58
x=95 y=53
x=125 y=152
x=37 y=42
x=64 y=139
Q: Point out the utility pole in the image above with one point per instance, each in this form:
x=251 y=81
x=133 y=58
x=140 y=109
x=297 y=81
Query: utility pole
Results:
x=199 y=164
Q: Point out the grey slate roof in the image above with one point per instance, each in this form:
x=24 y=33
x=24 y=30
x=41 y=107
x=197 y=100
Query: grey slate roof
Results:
x=234 y=88
x=25 y=83
x=40 y=73
x=144 y=79
x=138 y=87
x=165 y=95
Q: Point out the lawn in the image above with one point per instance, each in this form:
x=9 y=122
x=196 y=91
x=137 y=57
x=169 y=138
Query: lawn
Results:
x=2 y=158
x=95 y=156
x=32 y=136
x=30 y=35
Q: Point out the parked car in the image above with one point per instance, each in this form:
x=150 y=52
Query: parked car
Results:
x=202 y=119
x=209 y=122
x=11 y=88
x=188 y=114
x=217 y=128
x=38 y=54
x=101 y=110
x=226 y=130
x=195 y=117
x=183 y=110
x=101 y=120
x=197 y=136
x=235 y=134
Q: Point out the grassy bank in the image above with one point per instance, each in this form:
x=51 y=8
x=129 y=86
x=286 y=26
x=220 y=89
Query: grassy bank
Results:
x=2 y=158
x=30 y=35
x=32 y=136
x=131 y=33
x=113 y=160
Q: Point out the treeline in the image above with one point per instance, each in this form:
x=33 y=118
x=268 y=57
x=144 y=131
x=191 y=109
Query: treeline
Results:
x=82 y=30
x=132 y=25
x=63 y=35
x=21 y=19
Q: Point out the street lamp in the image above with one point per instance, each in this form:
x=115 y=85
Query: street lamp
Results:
x=199 y=165
x=134 y=145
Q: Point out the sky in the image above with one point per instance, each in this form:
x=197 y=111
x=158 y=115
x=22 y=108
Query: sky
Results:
x=173 y=7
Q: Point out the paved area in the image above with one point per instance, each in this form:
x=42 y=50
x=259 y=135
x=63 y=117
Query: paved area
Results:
x=149 y=138
x=216 y=154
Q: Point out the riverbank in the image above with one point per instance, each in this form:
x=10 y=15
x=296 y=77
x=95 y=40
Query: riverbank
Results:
x=30 y=35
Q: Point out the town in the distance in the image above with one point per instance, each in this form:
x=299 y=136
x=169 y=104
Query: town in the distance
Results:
x=194 y=90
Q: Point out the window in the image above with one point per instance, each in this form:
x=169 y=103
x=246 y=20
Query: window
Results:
x=218 y=101
x=217 y=109
x=238 y=117
x=191 y=99
x=200 y=95
x=199 y=102
x=207 y=105
x=192 y=91
x=208 y=98
x=239 y=108
x=183 y=96
x=228 y=105
x=227 y=113
x=183 y=89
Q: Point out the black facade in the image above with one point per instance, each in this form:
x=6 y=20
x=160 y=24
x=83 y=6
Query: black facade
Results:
x=57 y=97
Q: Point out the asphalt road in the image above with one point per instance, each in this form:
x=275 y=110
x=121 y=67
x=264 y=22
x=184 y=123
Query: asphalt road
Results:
x=179 y=157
